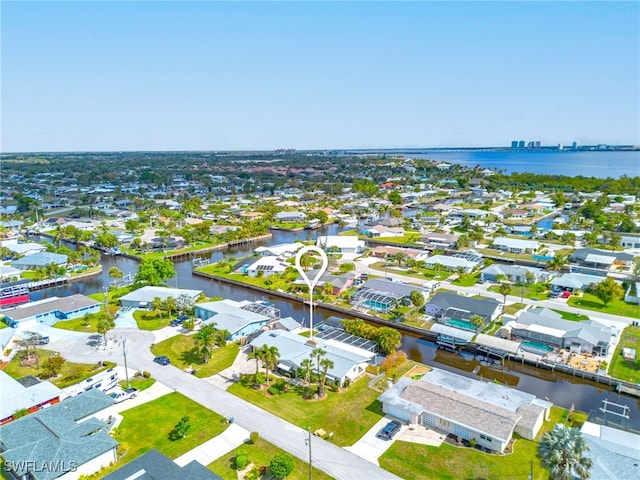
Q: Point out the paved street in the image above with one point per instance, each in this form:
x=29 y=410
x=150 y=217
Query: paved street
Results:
x=337 y=462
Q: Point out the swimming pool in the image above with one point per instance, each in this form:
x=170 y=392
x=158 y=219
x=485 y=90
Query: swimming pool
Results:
x=536 y=346
x=454 y=322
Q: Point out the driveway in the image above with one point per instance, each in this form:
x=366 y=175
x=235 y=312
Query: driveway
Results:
x=370 y=447
x=207 y=452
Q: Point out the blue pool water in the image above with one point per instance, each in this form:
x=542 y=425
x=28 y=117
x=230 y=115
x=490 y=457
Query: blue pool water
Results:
x=541 y=347
x=454 y=322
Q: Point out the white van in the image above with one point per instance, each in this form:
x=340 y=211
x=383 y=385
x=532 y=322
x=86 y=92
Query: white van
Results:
x=431 y=286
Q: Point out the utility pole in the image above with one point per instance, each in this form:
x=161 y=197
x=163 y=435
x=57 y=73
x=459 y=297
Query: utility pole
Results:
x=531 y=469
x=124 y=352
x=308 y=442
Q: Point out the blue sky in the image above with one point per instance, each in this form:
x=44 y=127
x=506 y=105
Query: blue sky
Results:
x=244 y=76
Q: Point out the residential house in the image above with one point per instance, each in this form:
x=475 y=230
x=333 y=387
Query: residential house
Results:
x=40 y=259
x=384 y=251
x=142 y=297
x=456 y=310
x=266 y=266
x=339 y=283
x=515 y=245
x=515 y=213
x=19 y=248
x=484 y=412
x=349 y=244
x=384 y=295
x=235 y=317
x=65 y=441
x=15 y=396
x=283 y=250
x=630 y=241
x=51 y=310
x=515 y=273
x=440 y=241
x=543 y=330
x=466 y=262
x=573 y=282
x=348 y=363
x=154 y=465
x=291 y=216
x=380 y=231
x=604 y=259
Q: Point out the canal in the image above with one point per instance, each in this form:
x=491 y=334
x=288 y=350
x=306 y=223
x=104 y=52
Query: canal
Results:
x=561 y=389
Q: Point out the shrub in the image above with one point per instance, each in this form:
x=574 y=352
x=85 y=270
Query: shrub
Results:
x=146 y=374
x=273 y=390
x=241 y=461
x=281 y=465
x=254 y=474
x=254 y=436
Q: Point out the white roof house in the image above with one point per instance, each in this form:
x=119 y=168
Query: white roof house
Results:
x=284 y=250
x=23 y=248
x=346 y=243
x=268 y=266
x=451 y=263
x=348 y=362
x=515 y=245
x=576 y=281
x=15 y=396
x=145 y=295
x=229 y=315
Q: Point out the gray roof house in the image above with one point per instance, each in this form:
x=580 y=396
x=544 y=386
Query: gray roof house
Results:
x=145 y=295
x=593 y=257
x=339 y=283
x=291 y=216
x=348 y=362
x=51 y=310
x=383 y=295
x=541 y=331
x=515 y=245
x=154 y=465
x=230 y=315
x=64 y=437
x=515 y=273
x=486 y=412
x=575 y=281
x=40 y=259
x=456 y=310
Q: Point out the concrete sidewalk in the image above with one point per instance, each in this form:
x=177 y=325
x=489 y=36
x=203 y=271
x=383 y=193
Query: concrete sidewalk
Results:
x=215 y=448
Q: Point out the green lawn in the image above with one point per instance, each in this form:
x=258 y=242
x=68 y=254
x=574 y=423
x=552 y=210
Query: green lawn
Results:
x=147 y=426
x=513 y=308
x=348 y=414
x=151 y=319
x=532 y=292
x=3 y=325
x=625 y=369
x=467 y=279
x=418 y=274
x=614 y=307
x=79 y=325
x=260 y=454
x=71 y=372
x=410 y=460
x=574 y=317
x=183 y=352
x=139 y=383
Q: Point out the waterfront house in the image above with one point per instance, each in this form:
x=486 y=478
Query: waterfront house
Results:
x=440 y=241
x=283 y=250
x=266 y=266
x=604 y=259
x=20 y=248
x=339 y=283
x=142 y=297
x=384 y=295
x=515 y=245
x=348 y=244
x=456 y=310
x=542 y=330
x=380 y=231
x=455 y=262
x=40 y=259
x=383 y=251
x=66 y=440
x=348 y=362
x=235 y=317
x=51 y=310
x=293 y=217
x=484 y=412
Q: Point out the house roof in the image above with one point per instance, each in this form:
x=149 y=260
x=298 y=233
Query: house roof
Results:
x=510 y=270
x=154 y=465
x=16 y=396
x=277 y=250
x=453 y=332
x=229 y=315
x=269 y=264
x=58 y=434
x=594 y=333
x=295 y=348
x=581 y=254
x=576 y=280
x=40 y=259
x=147 y=294
x=485 y=307
x=515 y=243
x=53 y=304
x=393 y=289
x=453 y=262
x=614 y=452
x=346 y=241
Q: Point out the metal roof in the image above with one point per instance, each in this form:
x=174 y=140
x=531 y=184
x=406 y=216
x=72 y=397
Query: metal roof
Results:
x=498 y=343
x=453 y=332
x=348 y=339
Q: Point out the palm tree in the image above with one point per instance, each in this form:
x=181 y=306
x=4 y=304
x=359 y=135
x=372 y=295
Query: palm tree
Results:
x=477 y=321
x=326 y=365
x=270 y=359
x=103 y=327
x=318 y=354
x=170 y=304
x=558 y=262
x=205 y=338
x=562 y=451
x=256 y=354
x=504 y=289
x=307 y=364
x=157 y=304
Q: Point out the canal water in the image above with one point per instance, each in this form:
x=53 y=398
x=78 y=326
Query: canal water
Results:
x=561 y=389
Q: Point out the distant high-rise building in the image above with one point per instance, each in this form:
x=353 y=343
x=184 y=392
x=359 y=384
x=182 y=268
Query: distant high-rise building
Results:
x=536 y=144
x=514 y=144
x=521 y=144
x=530 y=145
x=574 y=145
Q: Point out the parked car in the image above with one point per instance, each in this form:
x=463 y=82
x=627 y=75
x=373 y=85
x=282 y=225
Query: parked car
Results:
x=389 y=430
x=162 y=360
x=40 y=340
x=176 y=322
x=183 y=318
x=124 y=395
x=565 y=294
